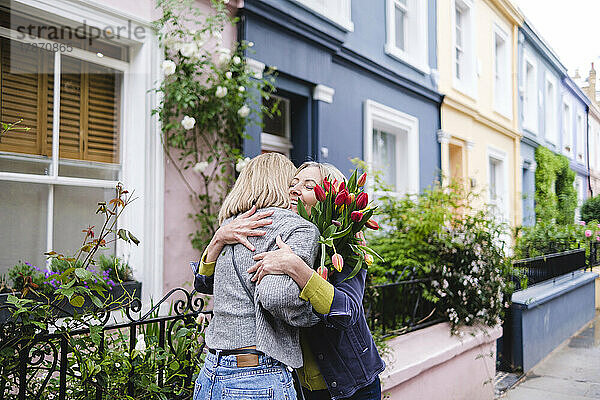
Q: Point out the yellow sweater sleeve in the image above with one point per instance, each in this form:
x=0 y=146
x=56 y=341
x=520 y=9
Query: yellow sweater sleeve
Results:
x=319 y=293
x=206 y=268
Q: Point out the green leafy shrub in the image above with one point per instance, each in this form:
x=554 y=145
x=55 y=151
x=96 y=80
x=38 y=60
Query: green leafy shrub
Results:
x=590 y=210
x=565 y=192
x=555 y=196
x=546 y=202
x=546 y=238
x=441 y=235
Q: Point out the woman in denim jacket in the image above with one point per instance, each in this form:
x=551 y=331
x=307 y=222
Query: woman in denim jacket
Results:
x=340 y=357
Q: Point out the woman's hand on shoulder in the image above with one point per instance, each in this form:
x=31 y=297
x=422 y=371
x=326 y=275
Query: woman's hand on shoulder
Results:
x=238 y=231
x=280 y=262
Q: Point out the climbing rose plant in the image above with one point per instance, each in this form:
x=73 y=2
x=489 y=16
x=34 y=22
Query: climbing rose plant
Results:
x=209 y=97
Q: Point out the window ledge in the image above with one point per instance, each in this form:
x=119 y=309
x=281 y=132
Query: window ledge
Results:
x=346 y=24
x=465 y=89
x=504 y=113
x=403 y=57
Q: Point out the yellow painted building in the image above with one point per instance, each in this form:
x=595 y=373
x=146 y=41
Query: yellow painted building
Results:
x=480 y=139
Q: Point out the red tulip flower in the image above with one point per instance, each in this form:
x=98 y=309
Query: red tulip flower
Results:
x=356 y=216
x=362 y=180
x=371 y=224
x=342 y=186
x=322 y=271
x=362 y=200
x=320 y=193
x=341 y=197
x=326 y=185
x=338 y=262
x=334 y=186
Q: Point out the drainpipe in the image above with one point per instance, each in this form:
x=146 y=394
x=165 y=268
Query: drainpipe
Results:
x=588 y=154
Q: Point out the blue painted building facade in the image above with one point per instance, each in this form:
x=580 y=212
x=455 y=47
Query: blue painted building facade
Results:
x=358 y=80
x=552 y=113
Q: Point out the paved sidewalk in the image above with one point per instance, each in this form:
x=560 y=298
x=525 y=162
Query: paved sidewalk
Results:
x=571 y=372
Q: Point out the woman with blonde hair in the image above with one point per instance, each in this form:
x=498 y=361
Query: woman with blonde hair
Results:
x=339 y=354
x=254 y=336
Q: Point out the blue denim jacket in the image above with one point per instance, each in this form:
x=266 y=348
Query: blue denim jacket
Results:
x=342 y=342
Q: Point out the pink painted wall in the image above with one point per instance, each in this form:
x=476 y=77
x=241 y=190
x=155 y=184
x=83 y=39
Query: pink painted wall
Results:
x=177 y=248
x=432 y=364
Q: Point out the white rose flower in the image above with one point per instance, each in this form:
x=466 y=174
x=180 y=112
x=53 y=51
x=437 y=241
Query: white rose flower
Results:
x=225 y=1
x=189 y=49
x=140 y=344
x=200 y=167
x=228 y=74
x=244 y=111
x=242 y=89
x=221 y=92
x=188 y=122
x=223 y=56
x=237 y=60
x=241 y=164
x=168 y=67
x=250 y=44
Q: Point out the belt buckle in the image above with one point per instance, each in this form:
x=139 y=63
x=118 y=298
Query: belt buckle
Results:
x=247 y=360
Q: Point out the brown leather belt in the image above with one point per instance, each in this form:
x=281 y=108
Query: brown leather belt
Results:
x=245 y=357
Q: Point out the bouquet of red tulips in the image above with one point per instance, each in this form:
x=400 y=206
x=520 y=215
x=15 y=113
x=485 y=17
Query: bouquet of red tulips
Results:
x=341 y=214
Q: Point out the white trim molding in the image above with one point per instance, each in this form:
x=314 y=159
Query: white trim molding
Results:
x=323 y=93
x=338 y=12
x=502 y=82
x=530 y=94
x=500 y=156
x=550 y=114
x=443 y=137
x=464 y=64
x=379 y=116
x=415 y=34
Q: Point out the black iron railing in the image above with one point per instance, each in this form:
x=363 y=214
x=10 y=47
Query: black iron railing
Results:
x=550 y=266
x=399 y=307
x=594 y=257
x=39 y=363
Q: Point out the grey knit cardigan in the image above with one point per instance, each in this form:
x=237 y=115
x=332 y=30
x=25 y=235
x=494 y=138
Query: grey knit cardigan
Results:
x=272 y=319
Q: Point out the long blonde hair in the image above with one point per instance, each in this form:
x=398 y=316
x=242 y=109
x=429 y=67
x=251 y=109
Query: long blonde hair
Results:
x=327 y=170
x=264 y=182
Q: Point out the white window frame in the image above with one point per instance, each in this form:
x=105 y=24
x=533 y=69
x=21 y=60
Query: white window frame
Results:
x=141 y=171
x=270 y=142
x=377 y=114
x=502 y=96
x=580 y=137
x=567 y=127
x=550 y=115
x=501 y=157
x=530 y=94
x=417 y=52
x=337 y=11
x=467 y=83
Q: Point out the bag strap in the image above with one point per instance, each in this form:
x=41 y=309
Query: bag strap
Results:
x=295 y=377
x=237 y=272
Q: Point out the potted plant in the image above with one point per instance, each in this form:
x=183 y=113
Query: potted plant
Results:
x=82 y=282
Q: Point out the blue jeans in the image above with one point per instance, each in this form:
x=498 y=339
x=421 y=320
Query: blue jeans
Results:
x=221 y=379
